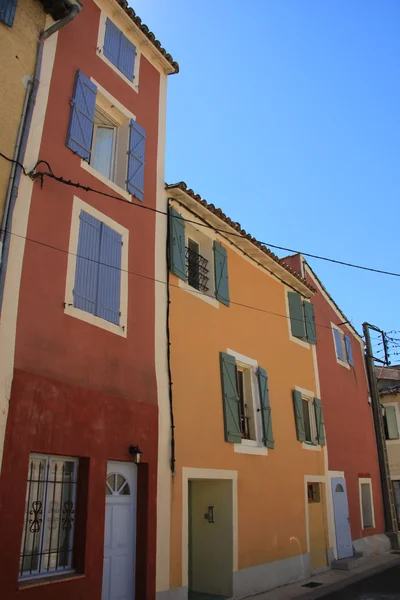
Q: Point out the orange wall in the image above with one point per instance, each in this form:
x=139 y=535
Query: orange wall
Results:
x=271 y=497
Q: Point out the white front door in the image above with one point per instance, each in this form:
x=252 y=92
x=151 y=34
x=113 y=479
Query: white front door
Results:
x=120 y=532
x=342 y=518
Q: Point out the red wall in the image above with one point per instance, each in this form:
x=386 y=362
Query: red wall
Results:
x=79 y=390
x=348 y=416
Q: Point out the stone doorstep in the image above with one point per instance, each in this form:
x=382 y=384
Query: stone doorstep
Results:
x=347 y=564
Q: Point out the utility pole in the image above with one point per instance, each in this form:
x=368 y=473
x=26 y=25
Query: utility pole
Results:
x=389 y=507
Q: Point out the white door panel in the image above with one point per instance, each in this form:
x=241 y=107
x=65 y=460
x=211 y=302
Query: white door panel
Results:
x=342 y=518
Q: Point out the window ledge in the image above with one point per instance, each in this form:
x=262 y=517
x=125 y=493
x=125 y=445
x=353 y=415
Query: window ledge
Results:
x=132 y=84
x=250 y=447
x=25 y=584
x=201 y=295
x=310 y=446
x=299 y=341
x=342 y=363
x=72 y=311
x=116 y=188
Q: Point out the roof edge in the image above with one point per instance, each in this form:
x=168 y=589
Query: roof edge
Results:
x=181 y=185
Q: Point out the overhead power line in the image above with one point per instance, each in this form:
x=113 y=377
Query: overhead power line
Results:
x=41 y=174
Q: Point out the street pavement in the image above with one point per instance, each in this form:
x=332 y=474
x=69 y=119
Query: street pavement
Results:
x=382 y=586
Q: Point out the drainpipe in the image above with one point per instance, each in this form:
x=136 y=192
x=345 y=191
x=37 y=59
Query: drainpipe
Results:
x=22 y=141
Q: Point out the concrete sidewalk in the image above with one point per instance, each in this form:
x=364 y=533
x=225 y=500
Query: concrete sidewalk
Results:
x=331 y=580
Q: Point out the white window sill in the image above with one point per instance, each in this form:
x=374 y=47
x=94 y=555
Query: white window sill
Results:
x=298 y=341
x=309 y=446
x=250 y=447
x=393 y=442
x=72 y=311
x=132 y=84
x=342 y=363
x=116 y=188
x=198 y=294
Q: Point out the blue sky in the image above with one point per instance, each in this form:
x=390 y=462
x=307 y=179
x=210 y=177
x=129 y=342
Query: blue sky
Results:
x=286 y=114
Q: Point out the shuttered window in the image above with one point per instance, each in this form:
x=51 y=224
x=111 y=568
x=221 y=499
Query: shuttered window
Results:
x=349 y=350
x=266 y=412
x=81 y=121
x=7 y=11
x=319 y=421
x=302 y=320
x=136 y=152
x=221 y=274
x=391 y=426
x=119 y=50
x=97 y=287
x=309 y=420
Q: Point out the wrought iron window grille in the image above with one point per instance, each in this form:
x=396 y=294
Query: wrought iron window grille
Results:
x=197 y=270
x=47 y=539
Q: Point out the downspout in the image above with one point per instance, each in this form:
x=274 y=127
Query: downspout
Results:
x=22 y=141
x=171 y=404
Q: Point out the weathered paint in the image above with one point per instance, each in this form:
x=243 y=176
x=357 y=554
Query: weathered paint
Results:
x=344 y=395
x=78 y=389
x=18 y=51
x=271 y=508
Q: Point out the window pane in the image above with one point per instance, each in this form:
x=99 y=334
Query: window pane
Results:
x=103 y=146
x=33 y=522
x=307 y=424
x=120 y=481
x=366 y=505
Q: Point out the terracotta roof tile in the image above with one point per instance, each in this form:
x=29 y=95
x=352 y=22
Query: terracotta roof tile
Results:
x=149 y=34
x=235 y=225
x=389 y=391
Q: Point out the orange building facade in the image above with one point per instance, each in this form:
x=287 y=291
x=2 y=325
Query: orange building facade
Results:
x=245 y=489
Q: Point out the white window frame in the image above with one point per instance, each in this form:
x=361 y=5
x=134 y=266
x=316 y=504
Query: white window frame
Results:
x=64 y=570
x=251 y=446
x=114 y=146
x=368 y=481
x=344 y=363
x=134 y=84
x=121 y=116
x=70 y=309
x=397 y=408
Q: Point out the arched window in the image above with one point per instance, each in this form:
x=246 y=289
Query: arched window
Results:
x=116 y=485
x=339 y=488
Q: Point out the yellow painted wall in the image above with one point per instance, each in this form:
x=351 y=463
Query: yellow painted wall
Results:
x=393 y=446
x=18 y=48
x=271 y=496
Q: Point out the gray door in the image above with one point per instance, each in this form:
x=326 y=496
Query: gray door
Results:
x=342 y=518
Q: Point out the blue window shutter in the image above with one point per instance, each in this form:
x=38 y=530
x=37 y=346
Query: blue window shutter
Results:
x=268 y=438
x=349 y=350
x=221 y=274
x=7 y=11
x=87 y=263
x=81 y=120
x=109 y=289
x=127 y=55
x=112 y=43
x=137 y=142
x=338 y=344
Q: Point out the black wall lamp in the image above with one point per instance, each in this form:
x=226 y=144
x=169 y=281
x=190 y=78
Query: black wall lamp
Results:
x=136 y=453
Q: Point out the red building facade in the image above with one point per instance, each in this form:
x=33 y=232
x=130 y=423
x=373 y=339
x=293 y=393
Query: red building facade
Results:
x=84 y=384
x=352 y=453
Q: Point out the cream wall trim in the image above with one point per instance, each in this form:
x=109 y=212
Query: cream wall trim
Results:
x=160 y=341
x=314 y=447
x=19 y=227
x=292 y=338
x=100 y=51
x=113 y=186
x=198 y=294
x=120 y=18
x=116 y=103
x=189 y=473
x=70 y=309
x=369 y=482
x=304 y=392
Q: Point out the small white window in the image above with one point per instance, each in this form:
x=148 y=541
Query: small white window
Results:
x=199 y=260
x=310 y=427
x=343 y=347
x=47 y=544
x=366 y=503
x=103 y=146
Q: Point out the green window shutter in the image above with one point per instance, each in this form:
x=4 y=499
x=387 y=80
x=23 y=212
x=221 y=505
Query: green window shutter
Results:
x=298 y=416
x=319 y=419
x=230 y=399
x=296 y=315
x=221 y=274
x=268 y=438
x=391 y=421
x=177 y=244
x=311 y=329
